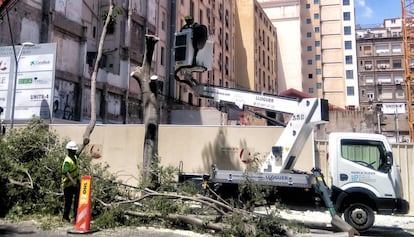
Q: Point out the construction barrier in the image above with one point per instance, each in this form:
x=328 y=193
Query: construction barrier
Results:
x=83 y=216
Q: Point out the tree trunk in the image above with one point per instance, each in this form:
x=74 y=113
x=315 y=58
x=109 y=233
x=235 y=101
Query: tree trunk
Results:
x=149 y=90
x=92 y=122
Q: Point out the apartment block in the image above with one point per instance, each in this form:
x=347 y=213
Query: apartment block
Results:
x=244 y=51
x=76 y=26
x=285 y=16
x=256 y=50
x=338 y=59
x=381 y=76
x=219 y=17
x=317 y=48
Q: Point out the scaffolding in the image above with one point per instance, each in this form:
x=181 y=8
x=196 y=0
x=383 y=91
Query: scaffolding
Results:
x=407 y=7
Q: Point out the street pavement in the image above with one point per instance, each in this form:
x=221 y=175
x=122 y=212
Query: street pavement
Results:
x=30 y=229
x=317 y=229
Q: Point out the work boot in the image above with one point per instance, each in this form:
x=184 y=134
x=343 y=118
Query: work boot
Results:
x=66 y=220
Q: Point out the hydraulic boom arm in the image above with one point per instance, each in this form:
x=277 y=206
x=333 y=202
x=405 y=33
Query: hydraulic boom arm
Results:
x=305 y=114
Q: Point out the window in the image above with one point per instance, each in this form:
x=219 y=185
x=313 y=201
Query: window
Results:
x=309 y=48
x=367 y=65
x=317 y=43
x=345 y=2
x=370 y=96
x=308 y=21
x=396 y=63
x=349 y=74
x=347 y=16
x=307 y=5
x=317 y=29
x=318 y=85
x=367 y=50
x=162 y=56
x=309 y=34
x=348 y=44
x=350 y=90
x=309 y=61
x=192 y=9
x=371 y=154
x=396 y=48
x=399 y=94
x=387 y=94
x=310 y=90
x=190 y=98
x=316 y=16
x=163 y=21
x=369 y=79
x=310 y=76
x=347 y=30
x=316 y=1
x=264 y=78
x=317 y=57
x=386 y=78
x=348 y=59
x=318 y=71
x=382 y=49
x=383 y=64
x=398 y=79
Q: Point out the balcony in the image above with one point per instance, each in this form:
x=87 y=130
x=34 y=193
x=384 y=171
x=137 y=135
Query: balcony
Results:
x=383 y=66
x=368 y=66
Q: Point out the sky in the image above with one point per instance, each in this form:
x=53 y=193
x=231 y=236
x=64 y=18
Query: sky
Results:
x=373 y=12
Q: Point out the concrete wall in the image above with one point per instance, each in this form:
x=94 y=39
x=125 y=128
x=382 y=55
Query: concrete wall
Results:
x=198 y=147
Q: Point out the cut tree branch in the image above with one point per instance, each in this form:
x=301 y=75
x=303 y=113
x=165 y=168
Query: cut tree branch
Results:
x=92 y=122
x=182 y=218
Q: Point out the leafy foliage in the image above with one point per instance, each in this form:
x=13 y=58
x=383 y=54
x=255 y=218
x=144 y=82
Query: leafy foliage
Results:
x=33 y=155
x=30 y=181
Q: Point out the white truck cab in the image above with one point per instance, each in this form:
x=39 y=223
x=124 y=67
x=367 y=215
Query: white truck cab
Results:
x=364 y=178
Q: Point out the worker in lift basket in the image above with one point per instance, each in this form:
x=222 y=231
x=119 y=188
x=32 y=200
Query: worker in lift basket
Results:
x=70 y=181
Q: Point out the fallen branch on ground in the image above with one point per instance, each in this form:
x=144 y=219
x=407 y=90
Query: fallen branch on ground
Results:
x=182 y=218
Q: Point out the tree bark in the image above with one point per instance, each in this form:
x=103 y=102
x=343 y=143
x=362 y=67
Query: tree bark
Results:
x=185 y=219
x=149 y=90
x=92 y=122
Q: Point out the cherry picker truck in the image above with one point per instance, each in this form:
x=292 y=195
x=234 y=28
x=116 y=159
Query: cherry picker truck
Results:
x=365 y=179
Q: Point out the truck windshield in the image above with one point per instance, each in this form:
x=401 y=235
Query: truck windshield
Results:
x=371 y=154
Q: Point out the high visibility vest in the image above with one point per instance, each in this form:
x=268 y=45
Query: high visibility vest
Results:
x=73 y=171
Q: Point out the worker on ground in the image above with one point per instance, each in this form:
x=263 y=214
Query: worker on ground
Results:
x=70 y=181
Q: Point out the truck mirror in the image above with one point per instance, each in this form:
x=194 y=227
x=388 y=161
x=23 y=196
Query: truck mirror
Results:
x=389 y=160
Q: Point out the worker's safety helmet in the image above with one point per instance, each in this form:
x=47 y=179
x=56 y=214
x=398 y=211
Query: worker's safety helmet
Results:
x=72 y=146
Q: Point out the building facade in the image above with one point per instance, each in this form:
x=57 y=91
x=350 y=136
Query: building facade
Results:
x=76 y=26
x=256 y=50
x=339 y=82
x=381 y=76
x=318 y=54
x=244 y=55
x=218 y=16
x=285 y=16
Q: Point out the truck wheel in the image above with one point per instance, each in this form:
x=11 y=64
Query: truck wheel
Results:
x=359 y=216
